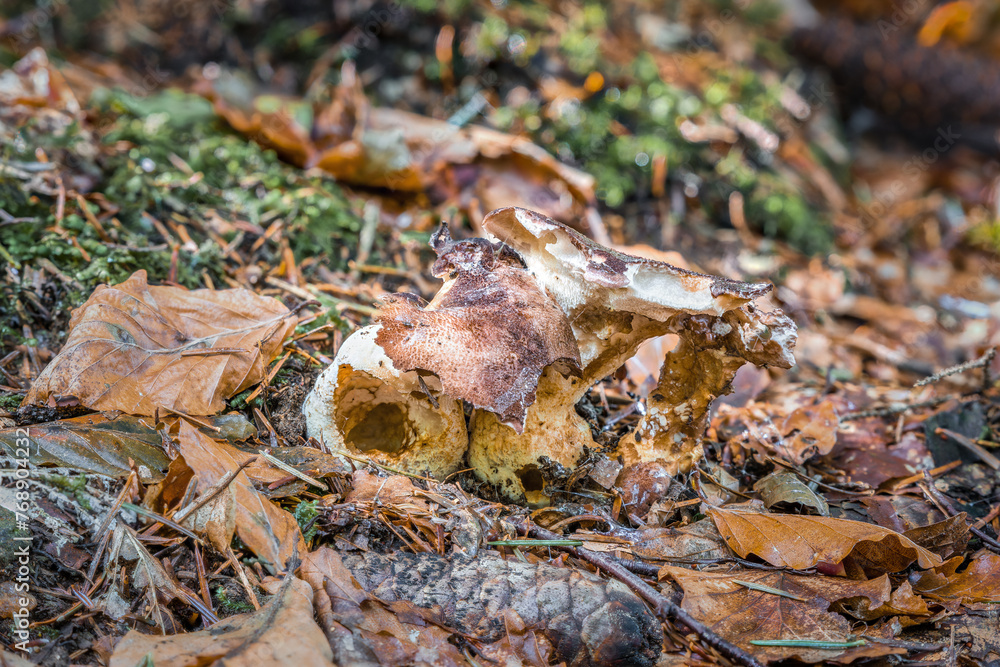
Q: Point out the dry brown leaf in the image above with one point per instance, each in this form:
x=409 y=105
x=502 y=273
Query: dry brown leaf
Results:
x=979 y=582
x=945 y=538
x=283 y=632
x=783 y=486
x=700 y=540
x=801 y=542
x=99 y=443
x=134 y=347
x=741 y=614
x=403 y=151
x=269 y=531
x=902 y=603
x=809 y=431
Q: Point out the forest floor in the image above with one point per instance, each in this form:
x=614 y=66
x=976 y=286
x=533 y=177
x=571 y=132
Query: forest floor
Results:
x=272 y=171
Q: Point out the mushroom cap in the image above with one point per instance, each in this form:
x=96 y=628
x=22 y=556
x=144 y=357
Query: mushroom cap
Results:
x=364 y=405
x=488 y=333
x=581 y=274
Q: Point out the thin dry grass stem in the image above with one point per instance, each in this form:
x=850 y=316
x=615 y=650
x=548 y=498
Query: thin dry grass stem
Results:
x=242 y=575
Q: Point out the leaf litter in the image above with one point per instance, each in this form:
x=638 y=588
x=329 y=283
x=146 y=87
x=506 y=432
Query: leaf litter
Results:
x=842 y=511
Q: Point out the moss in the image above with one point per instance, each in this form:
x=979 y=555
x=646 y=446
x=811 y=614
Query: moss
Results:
x=11 y=401
x=229 y=605
x=166 y=162
x=74 y=485
x=305 y=512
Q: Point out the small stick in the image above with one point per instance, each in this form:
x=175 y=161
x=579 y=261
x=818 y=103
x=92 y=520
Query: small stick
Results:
x=663 y=607
x=184 y=512
x=950 y=510
x=292 y=471
x=971 y=445
x=982 y=362
x=241 y=573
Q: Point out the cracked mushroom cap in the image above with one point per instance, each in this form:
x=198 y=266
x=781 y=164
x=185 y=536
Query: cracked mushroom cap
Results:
x=365 y=406
x=487 y=334
x=583 y=276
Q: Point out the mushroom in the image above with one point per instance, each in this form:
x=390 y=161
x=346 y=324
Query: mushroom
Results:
x=521 y=329
x=363 y=405
x=485 y=338
x=614 y=302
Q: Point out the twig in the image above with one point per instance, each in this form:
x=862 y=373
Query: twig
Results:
x=292 y=471
x=950 y=510
x=982 y=362
x=663 y=607
x=890 y=410
x=184 y=512
x=984 y=455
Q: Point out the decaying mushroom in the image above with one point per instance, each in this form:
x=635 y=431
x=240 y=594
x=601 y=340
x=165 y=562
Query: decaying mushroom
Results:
x=363 y=405
x=484 y=338
x=522 y=328
x=615 y=302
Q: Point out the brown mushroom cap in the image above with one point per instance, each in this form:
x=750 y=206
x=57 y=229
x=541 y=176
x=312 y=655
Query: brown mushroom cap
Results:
x=487 y=334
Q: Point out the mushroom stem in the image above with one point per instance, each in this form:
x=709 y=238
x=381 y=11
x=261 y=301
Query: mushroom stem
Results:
x=699 y=369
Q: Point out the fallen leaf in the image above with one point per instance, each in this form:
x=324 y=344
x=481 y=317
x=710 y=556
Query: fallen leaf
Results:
x=269 y=531
x=390 y=148
x=902 y=603
x=134 y=347
x=901 y=513
x=809 y=431
x=783 y=486
x=945 y=538
x=979 y=582
x=741 y=614
x=801 y=542
x=699 y=540
x=283 y=632
x=101 y=443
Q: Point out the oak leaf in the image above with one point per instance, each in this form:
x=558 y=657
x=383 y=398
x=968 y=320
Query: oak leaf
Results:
x=136 y=347
x=979 y=582
x=800 y=542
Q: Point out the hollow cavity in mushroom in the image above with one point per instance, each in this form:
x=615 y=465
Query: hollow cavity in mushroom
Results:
x=365 y=406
